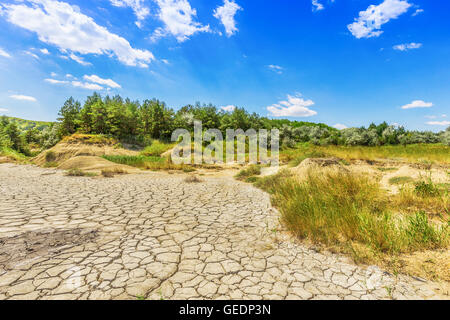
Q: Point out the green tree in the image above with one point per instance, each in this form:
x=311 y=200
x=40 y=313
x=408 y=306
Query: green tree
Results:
x=69 y=117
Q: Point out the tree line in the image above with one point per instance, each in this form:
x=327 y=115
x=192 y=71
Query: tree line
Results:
x=134 y=122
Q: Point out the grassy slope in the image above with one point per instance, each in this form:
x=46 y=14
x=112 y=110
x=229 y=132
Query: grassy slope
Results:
x=24 y=125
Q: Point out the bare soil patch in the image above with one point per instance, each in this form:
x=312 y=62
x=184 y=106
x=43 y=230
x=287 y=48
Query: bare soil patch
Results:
x=34 y=244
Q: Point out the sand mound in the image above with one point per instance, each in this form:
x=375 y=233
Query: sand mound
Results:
x=95 y=164
x=317 y=164
x=76 y=146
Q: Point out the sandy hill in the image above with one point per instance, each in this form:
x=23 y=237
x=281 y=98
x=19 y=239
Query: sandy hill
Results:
x=85 y=152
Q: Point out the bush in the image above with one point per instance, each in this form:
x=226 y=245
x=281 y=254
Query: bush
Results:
x=426 y=189
x=50 y=156
x=156 y=149
x=252 y=170
x=79 y=173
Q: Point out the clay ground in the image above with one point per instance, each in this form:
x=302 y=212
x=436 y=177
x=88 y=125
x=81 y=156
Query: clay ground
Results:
x=155 y=236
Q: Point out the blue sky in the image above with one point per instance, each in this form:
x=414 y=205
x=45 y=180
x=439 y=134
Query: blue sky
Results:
x=341 y=62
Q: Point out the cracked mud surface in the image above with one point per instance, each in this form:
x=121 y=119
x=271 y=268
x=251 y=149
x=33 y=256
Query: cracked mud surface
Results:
x=155 y=236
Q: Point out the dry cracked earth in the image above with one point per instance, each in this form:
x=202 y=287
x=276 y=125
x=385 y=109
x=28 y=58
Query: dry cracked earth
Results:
x=155 y=236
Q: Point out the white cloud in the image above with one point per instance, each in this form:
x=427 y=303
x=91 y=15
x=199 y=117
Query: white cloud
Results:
x=340 y=126
x=317 y=6
x=178 y=18
x=275 y=68
x=407 y=46
x=69 y=76
x=139 y=9
x=54 y=81
x=53 y=74
x=5 y=54
x=165 y=61
x=294 y=106
x=23 y=97
x=418 y=104
x=439 y=123
x=369 y=22
x=431 y=117
x=418 y=11
x=86 y=85
x=79 y=60
x=44 y=51
x=31 y=54
x=60 y=24
x=226 y=15
x=107 y=82
x=4 y=110
x=229 y=108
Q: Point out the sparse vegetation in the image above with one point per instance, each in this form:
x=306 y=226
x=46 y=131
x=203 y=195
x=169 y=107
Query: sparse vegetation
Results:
x=110 y=173
x=350 y=212
x=252 y=170
x=79 y=173
x=400 y=180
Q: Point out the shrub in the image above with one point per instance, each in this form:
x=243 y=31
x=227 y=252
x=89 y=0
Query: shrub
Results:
x=109 y=173
x=79 y=173
x=50 y=156
x=252 y=170
x=426 y=189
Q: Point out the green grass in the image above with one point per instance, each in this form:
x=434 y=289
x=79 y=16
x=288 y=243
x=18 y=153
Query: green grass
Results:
x=13 y=154
x=135 y=161
x=156 y=149
x=417 y=153
x=341 y=209
x=400 y=180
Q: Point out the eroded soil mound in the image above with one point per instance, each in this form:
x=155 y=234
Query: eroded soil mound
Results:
x=95 y=164
x=312 y=164
x=82 y=145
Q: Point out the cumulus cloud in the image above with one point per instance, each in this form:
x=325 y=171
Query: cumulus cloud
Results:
x=407 y=46
x=229 y=108
x=44 y=51
x=294 y=106
x=64 y=26
x=179 y=20
x=369 y=22
x=317 y=6
x=107 y=82
x=5 y=54
x=275 y=68
x=140 y=10
x=22 y=97
x=340 y=126
x=418 y=104
x=439 y=123
x=226 y=15
x=86 y=85
x=4 y=110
